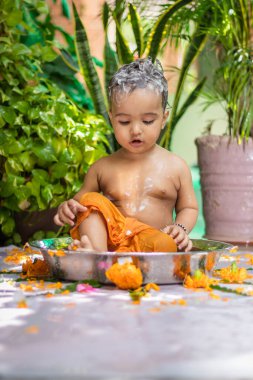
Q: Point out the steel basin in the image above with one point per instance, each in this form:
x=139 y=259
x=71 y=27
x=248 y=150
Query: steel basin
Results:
x=158 y=267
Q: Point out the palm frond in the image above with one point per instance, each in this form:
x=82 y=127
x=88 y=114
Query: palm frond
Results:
x=87 y=67
x=137 y=28
x=159 y=30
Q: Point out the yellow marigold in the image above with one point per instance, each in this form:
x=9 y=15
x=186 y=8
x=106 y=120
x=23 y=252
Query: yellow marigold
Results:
x=22 y=304
x=153 y=286
x=180 y=302
x=233 y=274
x=26 y=288
x=125 y=276
x=54 y=285
x=58 y=252
x=250 y=257
x=16 y=256
x=198 y=280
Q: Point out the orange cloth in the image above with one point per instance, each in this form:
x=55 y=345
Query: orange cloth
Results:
x=124 y=234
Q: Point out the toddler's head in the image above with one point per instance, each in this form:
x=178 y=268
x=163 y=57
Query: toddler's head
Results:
x=142 y=73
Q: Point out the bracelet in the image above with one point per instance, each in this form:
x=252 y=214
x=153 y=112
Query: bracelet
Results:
x=182 y=226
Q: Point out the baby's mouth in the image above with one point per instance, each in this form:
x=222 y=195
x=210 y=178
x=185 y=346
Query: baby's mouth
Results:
x=136 y=142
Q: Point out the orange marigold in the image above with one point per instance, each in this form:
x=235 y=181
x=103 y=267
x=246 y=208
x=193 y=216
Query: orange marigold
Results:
x=198 y=280
x=15 y=256
x=38 y=268
x=125 y=276
x=233 y=274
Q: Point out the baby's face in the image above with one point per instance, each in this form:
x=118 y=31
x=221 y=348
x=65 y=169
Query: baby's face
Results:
x=137 y=119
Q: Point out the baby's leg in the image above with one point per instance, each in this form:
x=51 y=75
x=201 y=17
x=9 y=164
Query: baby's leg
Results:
x=93 y=233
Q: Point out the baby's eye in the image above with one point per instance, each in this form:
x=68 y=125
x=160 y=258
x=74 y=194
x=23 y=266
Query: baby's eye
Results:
x=123 y=122
x=148 y=122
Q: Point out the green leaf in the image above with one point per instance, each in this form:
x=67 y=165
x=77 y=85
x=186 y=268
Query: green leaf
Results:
x=2 y=122
x=157 y=35
x=28 y=160
x=105 y=14
x=58 y=188
x=69 y=61
x=14 y=163
x=11 y=147
x=8 y=114
x=89 y=156
x=20 y=49
x=111 y=64
x=124 y=52
x=193 y=50
x=6 y=189
x=48 y=54
x=21 y=106
x=189 y=101
x=46 y=193
x=59 y=170
x=8 y=226
x=41 y=176
x=25 y=72
x=87 y=66
x=137 y=28
x=65 y=9
x=44 y=152
x=14 y=18
x=4 y=215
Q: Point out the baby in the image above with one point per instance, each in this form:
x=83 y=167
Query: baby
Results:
x=127 y=199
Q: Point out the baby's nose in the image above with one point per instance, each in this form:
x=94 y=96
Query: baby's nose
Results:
x=136 y=129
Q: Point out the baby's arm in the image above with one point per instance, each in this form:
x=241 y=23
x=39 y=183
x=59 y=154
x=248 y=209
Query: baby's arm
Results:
x=186 y=209
x=68 y=210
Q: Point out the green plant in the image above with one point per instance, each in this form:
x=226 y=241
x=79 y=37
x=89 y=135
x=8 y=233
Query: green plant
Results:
x=46 y=142
x=149 y=42
x=39 y=29
x=231 y=35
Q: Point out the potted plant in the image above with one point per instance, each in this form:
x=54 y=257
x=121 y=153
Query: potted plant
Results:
x=226 y=162
x=46 y=142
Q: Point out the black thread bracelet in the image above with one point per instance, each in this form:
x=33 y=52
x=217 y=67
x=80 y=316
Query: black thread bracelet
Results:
x=182 y=226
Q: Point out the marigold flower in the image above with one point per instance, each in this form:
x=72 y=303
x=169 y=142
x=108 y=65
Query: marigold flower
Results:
x=26 y=288
x=233 y=274
x=16 y=256
x=153 y=286
x=155 y=309
x=32 y=329
x=180 y=302
x=198 y=280
x=125 y=276
x=58 y=252
x=22 y=304
x=38 y=268
x=250 y=257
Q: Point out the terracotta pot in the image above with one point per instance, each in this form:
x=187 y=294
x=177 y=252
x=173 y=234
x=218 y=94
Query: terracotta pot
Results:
x=226 y=174
x=28 y=222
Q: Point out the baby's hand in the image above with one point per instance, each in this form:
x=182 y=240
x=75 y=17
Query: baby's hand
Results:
x=180 y=236
x=67 y=212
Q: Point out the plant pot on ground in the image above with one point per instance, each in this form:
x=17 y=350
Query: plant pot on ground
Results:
x=226 y=169
x=226 y=162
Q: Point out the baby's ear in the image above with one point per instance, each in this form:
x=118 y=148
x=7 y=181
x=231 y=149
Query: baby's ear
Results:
x=165 y=117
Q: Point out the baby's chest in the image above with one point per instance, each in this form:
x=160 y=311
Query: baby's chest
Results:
x=122 y=186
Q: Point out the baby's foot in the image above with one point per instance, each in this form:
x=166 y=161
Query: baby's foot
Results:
x=81 y=245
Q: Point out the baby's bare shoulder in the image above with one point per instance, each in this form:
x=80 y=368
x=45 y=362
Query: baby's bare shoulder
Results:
x=172 y=158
